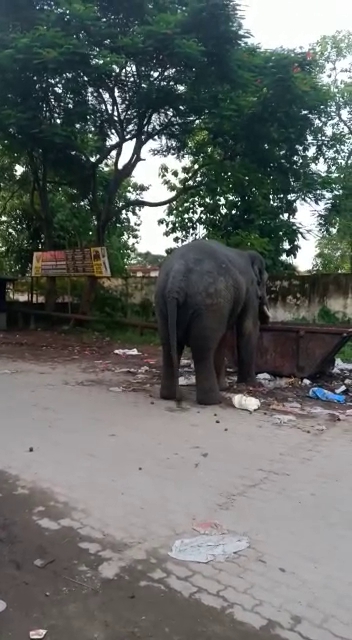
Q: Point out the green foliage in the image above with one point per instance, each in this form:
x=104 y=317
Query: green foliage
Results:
x=147 y=259
x=253 y=157
x=85 y=87
x=333 y=254
x=335 y=220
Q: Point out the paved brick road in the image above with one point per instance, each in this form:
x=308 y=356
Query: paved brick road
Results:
x=137 y=470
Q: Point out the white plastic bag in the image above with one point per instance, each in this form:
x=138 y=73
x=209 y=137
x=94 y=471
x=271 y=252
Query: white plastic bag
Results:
x=247 y=403
x=206 y=548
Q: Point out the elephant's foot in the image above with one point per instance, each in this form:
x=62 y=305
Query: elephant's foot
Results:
x=167 y=390
x=208 y=397
x=248 y=381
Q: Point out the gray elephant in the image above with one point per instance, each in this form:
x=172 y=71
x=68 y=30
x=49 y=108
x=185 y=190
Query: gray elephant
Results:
x=204 y=290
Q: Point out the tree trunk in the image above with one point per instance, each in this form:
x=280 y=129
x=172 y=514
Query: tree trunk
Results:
x=91 y=286
x=88 y=295
x=50 y=294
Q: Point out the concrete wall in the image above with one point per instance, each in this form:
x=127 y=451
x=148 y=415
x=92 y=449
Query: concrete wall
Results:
x=304 y=296
x=290 y=298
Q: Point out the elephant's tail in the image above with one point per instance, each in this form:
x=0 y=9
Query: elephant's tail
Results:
x=172 y=325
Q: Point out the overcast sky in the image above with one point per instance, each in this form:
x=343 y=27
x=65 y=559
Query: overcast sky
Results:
x=273 y=23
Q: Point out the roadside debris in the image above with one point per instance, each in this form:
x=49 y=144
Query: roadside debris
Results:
x=327 y=396
x=206 y=548
x=342 y=366
x=246 y=403
x=327 y=412
x=127 y=352
x=210 y=528
x=306 y=382
x=341 y=389
x=38 y=634
x=3 y=606
x=264 y=376
x=41 y=564
x=184 y=381
x=116 y=389
x=320 y=427
x=284 y=419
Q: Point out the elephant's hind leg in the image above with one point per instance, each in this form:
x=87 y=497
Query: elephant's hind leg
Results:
x=203 y=343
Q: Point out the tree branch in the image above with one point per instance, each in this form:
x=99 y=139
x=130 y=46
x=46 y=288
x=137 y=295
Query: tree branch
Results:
x=163 y=203
x=11 y=196
x=342 y=119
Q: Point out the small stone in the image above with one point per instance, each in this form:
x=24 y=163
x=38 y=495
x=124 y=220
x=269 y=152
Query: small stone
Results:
x=30 y=449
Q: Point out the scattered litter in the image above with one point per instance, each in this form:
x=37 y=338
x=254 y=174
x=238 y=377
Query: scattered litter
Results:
x=284 y=419
x=207 y=548
x=348 y=382
x=342 y=366
x=41 y=564
x=127 y=352
x=341 y=389
x=320 y=427
x=264 y=376
x=274 y=383
x=3 y=606
x=247 y=403
x=210 y=528
x=81 y=584
x=186 y=382
x=293 y=405
x=38 y=634
x=326 y=412
x=115 y=389
x=7 y=371
x=306 y=382
x=143 y=369
x=327 y=396
x=186 y=363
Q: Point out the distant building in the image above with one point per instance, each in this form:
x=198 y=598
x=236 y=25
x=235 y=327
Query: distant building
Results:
x=143 y=272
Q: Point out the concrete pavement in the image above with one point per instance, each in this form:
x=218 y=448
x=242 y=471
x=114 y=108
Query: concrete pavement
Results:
x=135 y=471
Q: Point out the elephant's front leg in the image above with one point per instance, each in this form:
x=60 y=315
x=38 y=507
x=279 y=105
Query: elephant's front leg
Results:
x=219 y=363
x=247 y=342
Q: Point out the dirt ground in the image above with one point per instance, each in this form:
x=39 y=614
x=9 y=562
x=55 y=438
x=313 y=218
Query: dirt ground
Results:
x=96 y=356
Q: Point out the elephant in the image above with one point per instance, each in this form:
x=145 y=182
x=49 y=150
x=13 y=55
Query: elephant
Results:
x=204 y=290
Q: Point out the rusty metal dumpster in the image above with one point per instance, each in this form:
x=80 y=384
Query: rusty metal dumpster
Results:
x=295 y=350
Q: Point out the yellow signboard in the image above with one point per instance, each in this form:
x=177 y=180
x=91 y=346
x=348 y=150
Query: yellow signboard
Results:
x=72 y=262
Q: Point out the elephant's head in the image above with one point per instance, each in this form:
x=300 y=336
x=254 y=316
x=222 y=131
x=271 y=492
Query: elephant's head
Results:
x=261 y=276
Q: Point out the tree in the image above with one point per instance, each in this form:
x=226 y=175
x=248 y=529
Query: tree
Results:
x=332 y=255
x=147 y=259
x=86 y=86
x=256 y=158
x=86 y=83
x=21 y=231
x=334 y=54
